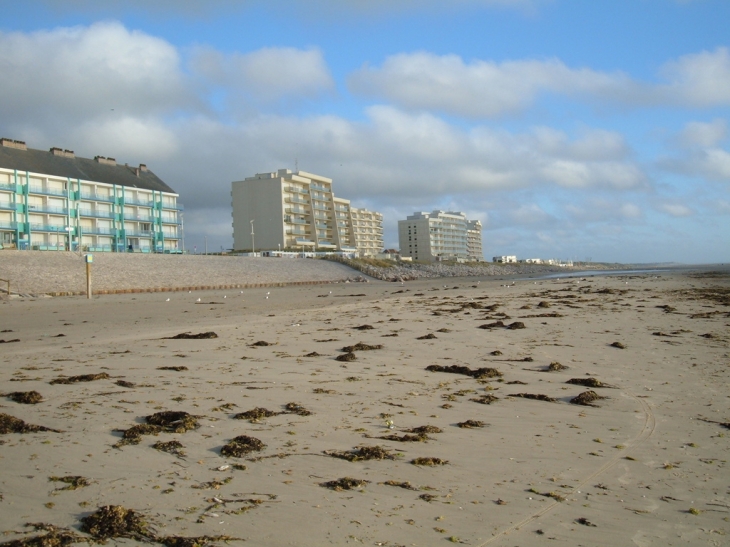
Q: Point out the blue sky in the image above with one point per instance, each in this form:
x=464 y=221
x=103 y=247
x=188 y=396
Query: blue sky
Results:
x=570 y=128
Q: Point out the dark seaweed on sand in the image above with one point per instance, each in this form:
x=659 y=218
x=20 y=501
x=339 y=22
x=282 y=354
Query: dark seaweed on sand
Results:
x=364 y=327
x=556 y=367
x=345 y=483
x=201 y=541
x=296 y=408
x=173 y=421
x=534 y=396
x=255 y=414
x=346 y=357
x=171 y=447
x=242 y=445
x=81 y=378
x=420 y=438
x=588 y=382
x=261 y=344
x=479 y=373
x=361 y=347
x=177 y=368
x=124 y=383
x=586 y=398
x=485 y=399
x=73 y=482
x=55 y=537
x=406 y=485
x=362 y=453
x=430 y=462
x=424 y=429
x=470 y=424
x=429 y=336
x=11 y=424
x=189 y=336
x=115 y=521
x=25 y=397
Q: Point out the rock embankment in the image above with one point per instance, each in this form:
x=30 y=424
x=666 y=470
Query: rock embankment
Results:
x=404 y=271
x=64 y=273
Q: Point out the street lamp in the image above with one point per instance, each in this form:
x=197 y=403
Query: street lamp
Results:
x=253 y=246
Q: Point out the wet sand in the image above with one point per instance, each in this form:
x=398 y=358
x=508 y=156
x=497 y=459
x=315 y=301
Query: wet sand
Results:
x=647 y=465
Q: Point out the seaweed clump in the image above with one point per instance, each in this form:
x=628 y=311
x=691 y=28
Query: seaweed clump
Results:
x=11 y=424
x=345 y=483
x=587 y=382
x=556 y=367
x=73 y=482
x=242 y=445
x=189 y=336
x=81 y=378
x=201 y=541
x=487 y=399
x=429 y=336
x=296 y=408
x=534 y=396
x=25 y=397
x=114 y=521
x=360 y=346
x=430 y=462
x=586 y=398
x=424 y=429
x=255 y=414
x=173 y=421
x=362 y=453
x=171 y=447
x=470 y=424
x=55 y=537
x=480 y=373
x=177 y=368
x=346 y=357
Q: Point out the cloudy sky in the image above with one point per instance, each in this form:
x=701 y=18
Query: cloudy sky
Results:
x=571 y=128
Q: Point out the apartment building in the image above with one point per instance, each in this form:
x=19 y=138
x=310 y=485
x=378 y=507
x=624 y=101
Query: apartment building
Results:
x=299 y=211
x=53 y=200
x=440 y=235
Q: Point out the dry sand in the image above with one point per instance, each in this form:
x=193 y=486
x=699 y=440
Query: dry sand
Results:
x=646 y=466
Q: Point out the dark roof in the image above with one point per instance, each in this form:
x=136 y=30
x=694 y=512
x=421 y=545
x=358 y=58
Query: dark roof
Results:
x=46 y=163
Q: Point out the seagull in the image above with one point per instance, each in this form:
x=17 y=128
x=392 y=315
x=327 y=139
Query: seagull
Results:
x=167 y=300
x=224 y=296
x=198 y=300
x=268 y=293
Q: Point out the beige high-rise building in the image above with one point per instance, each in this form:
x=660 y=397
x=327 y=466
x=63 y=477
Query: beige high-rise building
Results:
x=440 y=235
x=298 y=211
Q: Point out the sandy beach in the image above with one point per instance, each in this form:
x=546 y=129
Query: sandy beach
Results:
x=463 y=385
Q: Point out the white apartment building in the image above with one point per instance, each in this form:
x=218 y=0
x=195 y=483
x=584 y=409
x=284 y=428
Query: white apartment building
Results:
x=507 y=259
x=298 y=211
x=440 y=235
x=56 y=201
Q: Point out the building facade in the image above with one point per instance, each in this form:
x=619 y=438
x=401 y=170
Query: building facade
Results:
x=440 y=235
x=507 y=259
x=298 y=211
x=56 y=201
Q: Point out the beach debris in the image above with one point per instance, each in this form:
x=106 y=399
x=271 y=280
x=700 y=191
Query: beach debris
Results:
x=516 y=325
x=487 y=399
x=422 y=438
x=345 y=483
x=296 y=408
x=25 y=397
x=177 y=368
x=255 y=414
x=516 y=382
x=325 y=391
x=364 y=327
x=115 y=521
x=9 y=341
x=133 y=435
x=588 y=382
x=190 y=336
x=586 y=398
x=479 y=373
x=73 y=482
x=496 y=324
x=444 y=330
x=361 y=347
x=534 y=396
x=55 y=537
x=124 y=383
x=618 y=345
x=496 y=352
x=200 y=541
x=406 y=485
x=171 y=447
x=11 y=424
x=543 y=304
x=242 y=445
x=362 y=453
x=555 y=366
x=585 y=522
x=429 y=462
x=173 y=421
x=261 y=344
x=429 y=336
x=470 y=424
x=424 y=429
x=346 y=357
x=427 y=497
x=313 y=354
x=81 y=378
x=389 y=423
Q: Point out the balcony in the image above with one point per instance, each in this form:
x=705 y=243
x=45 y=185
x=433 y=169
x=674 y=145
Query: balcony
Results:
x=48 y=209
x=138 y=233
x=175 y=206
x=48 y=228
x=303 y=241
x=296 y=199
x=7 y=205
x=139 y=201
x=47 y=191
x=297 y=210
x=8 y=225
x=141 y=218
x=297 y=221
x=295 y=190
x=95 y=214
x=96 y=197
x=7 y=186
x=87 y=230
x=319 y=187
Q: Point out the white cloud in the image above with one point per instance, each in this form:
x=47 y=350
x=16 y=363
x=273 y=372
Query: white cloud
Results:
x=77 y=73
x=267 y=74
x=602 y=210
x=698 y=80
x=675 y=209
x=703 y=134
x=480 y=88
